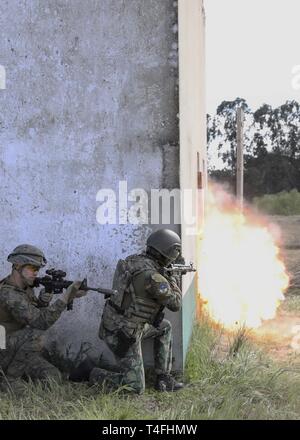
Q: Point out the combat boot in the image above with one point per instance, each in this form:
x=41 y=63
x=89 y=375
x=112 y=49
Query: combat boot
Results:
x=109 y=380
x=97 y=376
x=82 y=372
x=165 y=382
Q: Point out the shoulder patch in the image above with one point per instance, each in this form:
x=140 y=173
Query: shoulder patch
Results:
x=160 y=283
x=163 y=288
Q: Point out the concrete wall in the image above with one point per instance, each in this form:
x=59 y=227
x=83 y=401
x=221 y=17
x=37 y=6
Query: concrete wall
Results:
x=91 y=98
x=193 y=171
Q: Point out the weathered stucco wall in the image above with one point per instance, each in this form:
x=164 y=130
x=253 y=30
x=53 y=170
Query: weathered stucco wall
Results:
x=91 y=98
x=193 y=170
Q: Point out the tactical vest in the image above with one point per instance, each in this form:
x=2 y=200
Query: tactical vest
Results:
x=133 y=301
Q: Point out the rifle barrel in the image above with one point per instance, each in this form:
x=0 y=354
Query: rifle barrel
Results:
x=100 y=290
x=181 y=268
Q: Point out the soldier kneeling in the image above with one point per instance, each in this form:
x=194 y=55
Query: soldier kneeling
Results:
x=25 y=318
x=136 y=313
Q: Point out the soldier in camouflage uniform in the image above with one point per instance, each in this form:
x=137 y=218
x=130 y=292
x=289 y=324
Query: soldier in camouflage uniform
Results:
x=25 y=317
x=136 y=313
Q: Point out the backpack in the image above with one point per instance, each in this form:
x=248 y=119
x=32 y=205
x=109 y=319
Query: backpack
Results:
x=125 y=271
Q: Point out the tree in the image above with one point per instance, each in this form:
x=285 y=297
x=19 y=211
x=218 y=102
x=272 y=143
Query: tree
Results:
x=281 y=127
x=271 y=144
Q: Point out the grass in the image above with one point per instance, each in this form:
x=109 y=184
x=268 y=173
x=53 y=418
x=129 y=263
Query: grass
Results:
x=241 y=384
x=293 y=302
x=283 y=203
x=247 y=385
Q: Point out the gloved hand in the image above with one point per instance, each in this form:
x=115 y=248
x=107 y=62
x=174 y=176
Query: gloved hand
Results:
x=74 y=292
x=45 y=297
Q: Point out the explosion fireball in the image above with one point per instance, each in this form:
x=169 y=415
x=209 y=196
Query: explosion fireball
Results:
x=241 y=274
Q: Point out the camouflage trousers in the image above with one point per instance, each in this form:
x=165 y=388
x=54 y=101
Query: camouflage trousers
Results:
x=22 y=358
x=131 y=365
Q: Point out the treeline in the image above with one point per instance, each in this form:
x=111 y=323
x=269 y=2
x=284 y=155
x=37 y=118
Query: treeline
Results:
x=283 y=203
x=271 y=147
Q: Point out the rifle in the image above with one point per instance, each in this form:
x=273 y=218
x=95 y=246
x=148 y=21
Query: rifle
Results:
x=179 y=269
x=172 y=269
x=54 y=282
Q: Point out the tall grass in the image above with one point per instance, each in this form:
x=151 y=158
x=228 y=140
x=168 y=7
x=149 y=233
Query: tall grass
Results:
x=244 y=385
x=241 y=384
x=283 y=203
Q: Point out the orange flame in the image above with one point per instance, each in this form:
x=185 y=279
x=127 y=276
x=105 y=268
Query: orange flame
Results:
x=241 y=275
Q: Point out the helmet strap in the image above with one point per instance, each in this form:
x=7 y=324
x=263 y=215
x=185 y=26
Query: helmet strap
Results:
x=18 y=268
x=18 y=276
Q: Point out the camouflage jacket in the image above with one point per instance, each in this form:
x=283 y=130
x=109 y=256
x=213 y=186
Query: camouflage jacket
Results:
x=21 y=308
x=150 y=290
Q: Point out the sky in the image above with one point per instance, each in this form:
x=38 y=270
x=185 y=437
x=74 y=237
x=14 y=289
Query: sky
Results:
x=252 y=47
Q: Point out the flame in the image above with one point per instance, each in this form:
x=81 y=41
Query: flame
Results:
x=241 y=274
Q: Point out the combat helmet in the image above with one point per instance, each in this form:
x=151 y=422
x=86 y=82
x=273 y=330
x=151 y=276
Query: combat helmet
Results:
x=27 y=254
x=166 y=242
